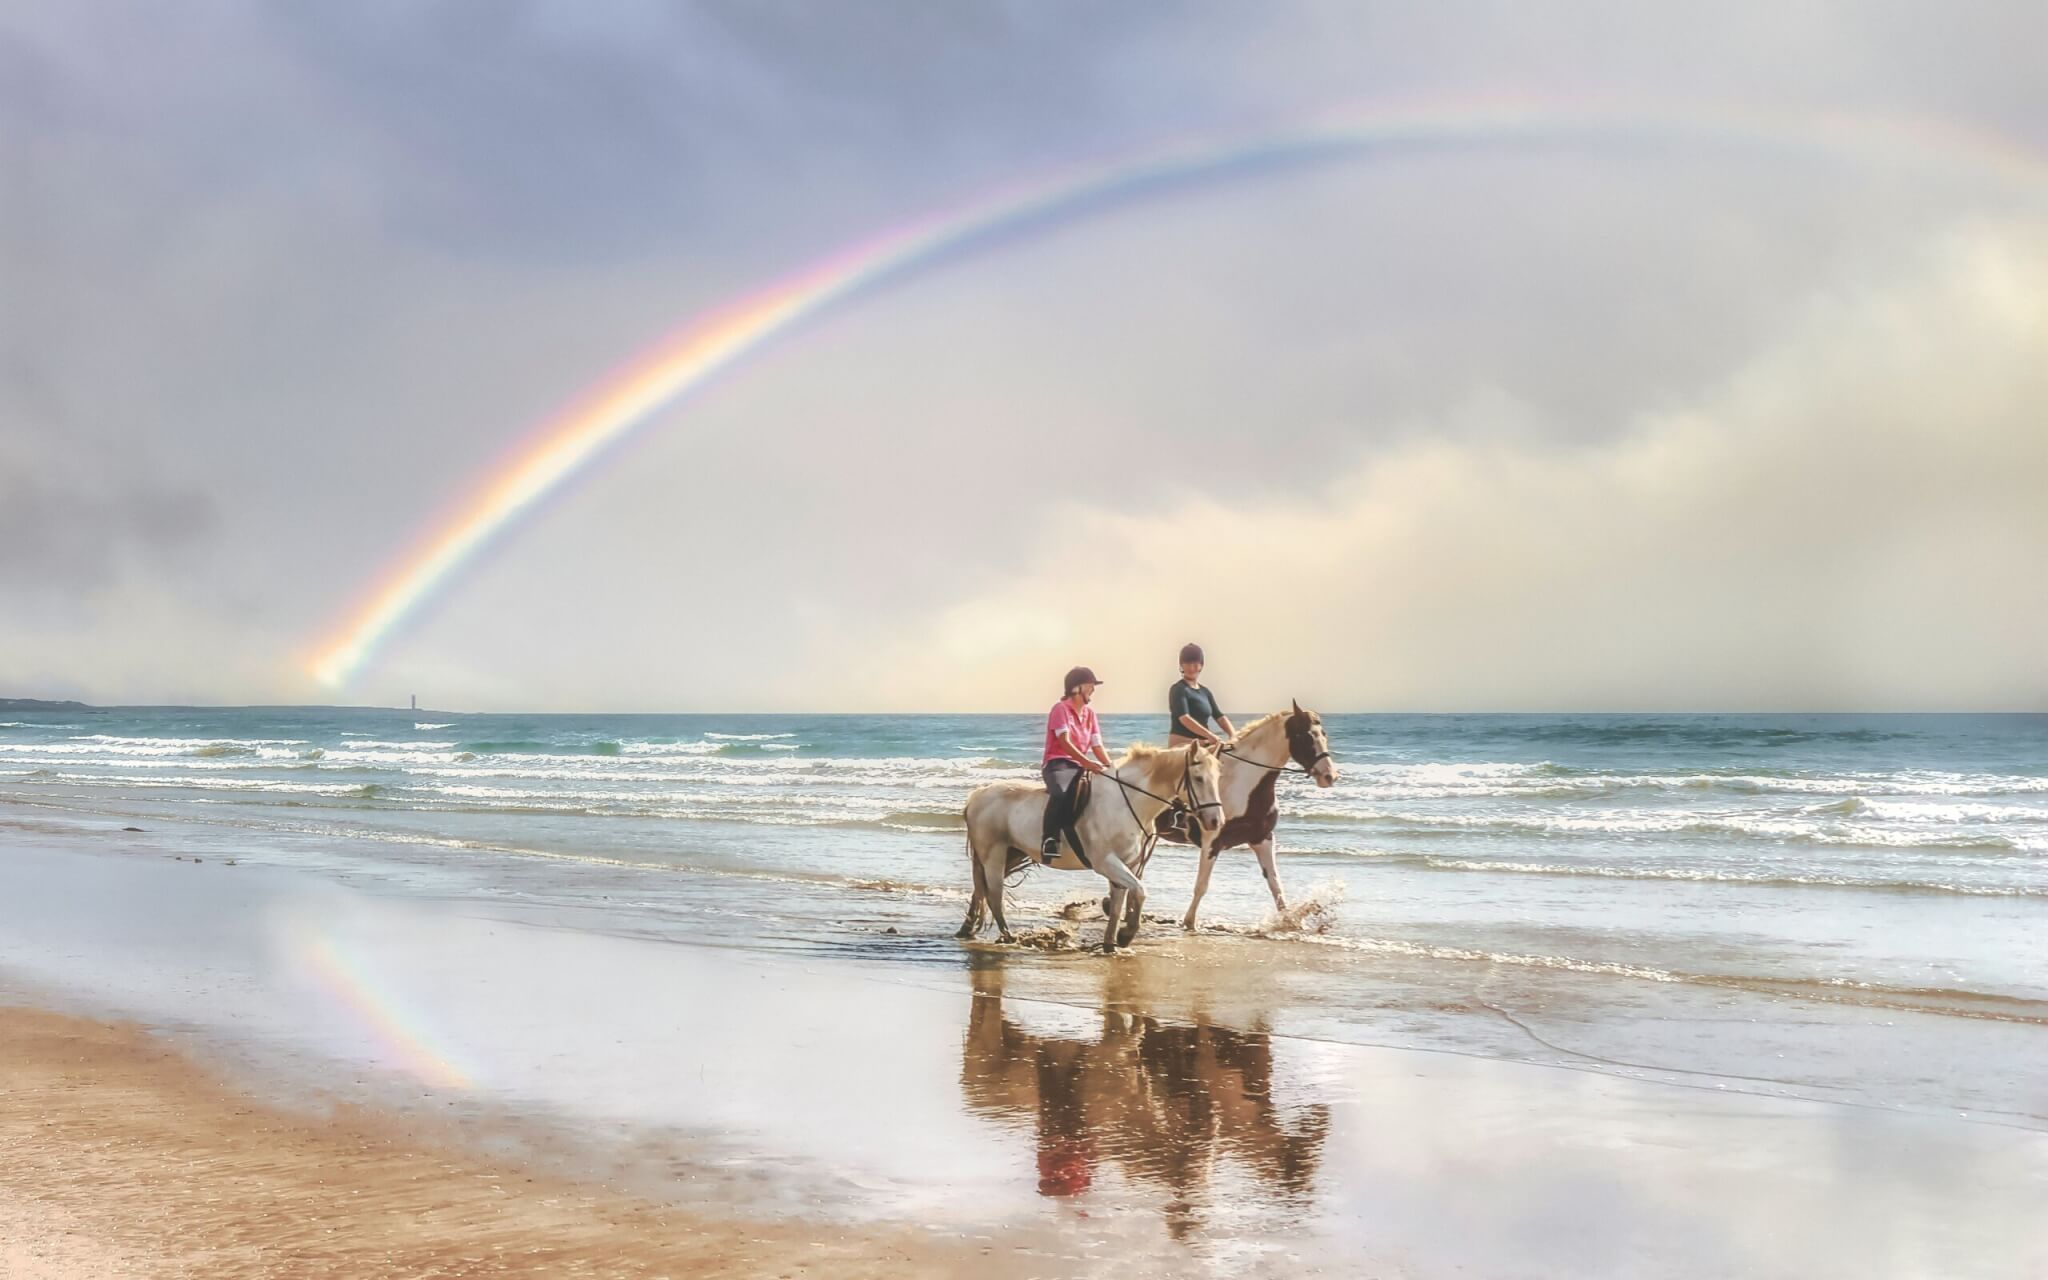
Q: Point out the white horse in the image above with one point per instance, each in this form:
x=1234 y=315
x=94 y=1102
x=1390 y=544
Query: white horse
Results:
x=1251 y=765
x=1004 y=820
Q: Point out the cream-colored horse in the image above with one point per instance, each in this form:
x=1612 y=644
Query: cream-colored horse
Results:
x=1004 y=820
x=1251 y=765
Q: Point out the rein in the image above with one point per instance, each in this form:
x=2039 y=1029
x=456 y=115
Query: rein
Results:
x=1294 y=765
x=1177 y=805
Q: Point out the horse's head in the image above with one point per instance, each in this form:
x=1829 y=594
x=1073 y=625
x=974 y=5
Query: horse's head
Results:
x=1205 y=786
x=1308 y=747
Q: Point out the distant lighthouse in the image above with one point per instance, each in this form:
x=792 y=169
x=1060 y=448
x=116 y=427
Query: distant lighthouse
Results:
x=415 y=702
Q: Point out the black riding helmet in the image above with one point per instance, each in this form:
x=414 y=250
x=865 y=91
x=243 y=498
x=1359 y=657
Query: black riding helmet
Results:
x=1192 y=652
x=1078 y=677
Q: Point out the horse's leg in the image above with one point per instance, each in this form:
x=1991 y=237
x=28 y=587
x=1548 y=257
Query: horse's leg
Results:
x=1134 y=916
x=1128 y=894
x=1134 y=913
x=976 y=905
x=1207 y=854
x=1112 y=913
x=992 y=864
x=1264 y=849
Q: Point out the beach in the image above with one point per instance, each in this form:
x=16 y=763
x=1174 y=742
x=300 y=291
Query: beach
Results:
x=125 y=1159
x=270 y=1031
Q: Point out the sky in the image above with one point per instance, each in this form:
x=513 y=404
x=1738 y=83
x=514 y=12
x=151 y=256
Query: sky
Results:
x=1686 y=422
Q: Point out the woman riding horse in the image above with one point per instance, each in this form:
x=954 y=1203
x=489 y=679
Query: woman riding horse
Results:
x=1071 y=733
x=1190 y=707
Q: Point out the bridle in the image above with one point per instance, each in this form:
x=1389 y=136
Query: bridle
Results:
x=1183 y=803
x=1297 y=747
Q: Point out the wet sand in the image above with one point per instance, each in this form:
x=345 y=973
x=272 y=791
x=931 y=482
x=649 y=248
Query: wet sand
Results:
x=124 y=1158
x=382 y=1075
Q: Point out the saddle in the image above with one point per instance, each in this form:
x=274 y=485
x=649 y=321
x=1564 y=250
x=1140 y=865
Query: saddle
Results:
x=1084 y=791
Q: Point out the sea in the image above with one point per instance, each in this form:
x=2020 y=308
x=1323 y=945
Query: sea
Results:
x=1850 y=908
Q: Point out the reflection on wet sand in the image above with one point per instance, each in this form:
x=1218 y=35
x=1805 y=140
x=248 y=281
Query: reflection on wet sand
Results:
x=1186 y=1108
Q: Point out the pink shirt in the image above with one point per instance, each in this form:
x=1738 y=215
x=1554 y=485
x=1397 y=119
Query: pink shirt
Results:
x=1077 y=727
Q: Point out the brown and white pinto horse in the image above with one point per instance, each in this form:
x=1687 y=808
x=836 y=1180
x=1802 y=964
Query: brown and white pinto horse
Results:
x=1250 y=768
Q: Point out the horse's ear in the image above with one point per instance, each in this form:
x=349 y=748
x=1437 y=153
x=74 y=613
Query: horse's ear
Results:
x=1297 y=705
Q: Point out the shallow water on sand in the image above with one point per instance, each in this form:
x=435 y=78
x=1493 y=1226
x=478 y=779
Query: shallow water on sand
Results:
x=1172 y=1111
x=1833 y=907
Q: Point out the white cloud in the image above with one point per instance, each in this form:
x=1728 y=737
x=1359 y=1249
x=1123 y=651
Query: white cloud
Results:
x=1853 y=519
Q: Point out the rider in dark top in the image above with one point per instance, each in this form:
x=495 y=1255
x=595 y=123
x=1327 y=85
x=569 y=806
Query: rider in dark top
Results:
x=1191 y=707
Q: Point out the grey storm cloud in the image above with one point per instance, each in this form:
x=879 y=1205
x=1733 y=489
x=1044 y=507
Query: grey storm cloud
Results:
x=74 y=534
x=552 y=129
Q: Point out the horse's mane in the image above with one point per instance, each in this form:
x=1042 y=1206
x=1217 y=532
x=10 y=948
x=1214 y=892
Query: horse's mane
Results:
x=1143 y=751
x=1262 y=722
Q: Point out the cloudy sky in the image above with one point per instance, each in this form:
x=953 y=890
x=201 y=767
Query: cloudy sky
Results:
x=1690 y=423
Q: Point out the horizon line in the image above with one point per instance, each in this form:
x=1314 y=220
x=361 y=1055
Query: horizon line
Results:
x=77 y=705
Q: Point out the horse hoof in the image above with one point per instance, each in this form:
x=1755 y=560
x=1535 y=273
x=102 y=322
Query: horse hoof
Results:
x=1188 y=924
x=1006 y=937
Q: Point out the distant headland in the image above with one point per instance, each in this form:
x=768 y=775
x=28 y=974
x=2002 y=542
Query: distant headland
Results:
x=39 y=704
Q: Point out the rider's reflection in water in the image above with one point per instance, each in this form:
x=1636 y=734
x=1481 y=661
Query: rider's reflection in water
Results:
x=1168 y=1103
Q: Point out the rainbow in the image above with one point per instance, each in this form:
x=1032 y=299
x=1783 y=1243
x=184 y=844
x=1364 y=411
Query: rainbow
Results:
x=398 y=1030
x=687 y=360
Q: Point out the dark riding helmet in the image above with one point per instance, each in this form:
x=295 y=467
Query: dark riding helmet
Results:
x=1191 y=652
x=1078 y=677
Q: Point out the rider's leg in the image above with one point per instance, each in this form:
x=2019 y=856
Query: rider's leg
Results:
x=1061 y=777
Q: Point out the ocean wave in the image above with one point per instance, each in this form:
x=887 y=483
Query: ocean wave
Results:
x=251 y=786
x=1708 y=875
x=747 y=737
x=104 y=745
x=1703 y=735
x=1784 y=829
x=1546 y=780
x=925 y=820
x=423 y=728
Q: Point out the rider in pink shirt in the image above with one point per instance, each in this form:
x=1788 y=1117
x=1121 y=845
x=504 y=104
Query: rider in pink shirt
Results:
x=1071 y=737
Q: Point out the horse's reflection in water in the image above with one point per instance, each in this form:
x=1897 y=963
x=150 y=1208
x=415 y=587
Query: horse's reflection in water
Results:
x=1170 y=1104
